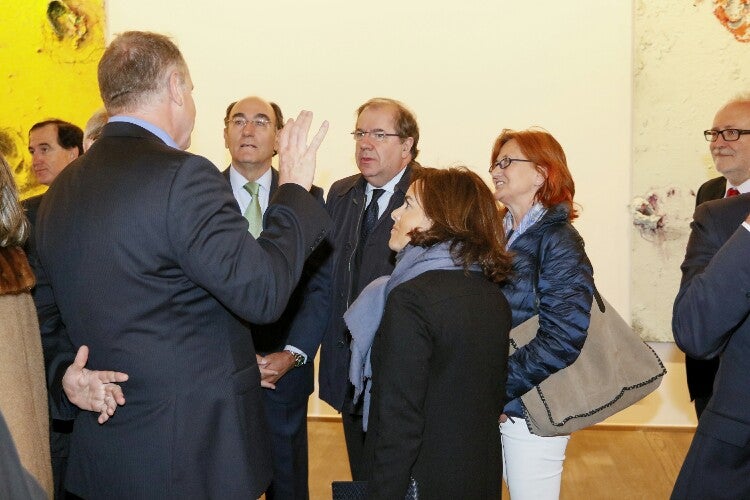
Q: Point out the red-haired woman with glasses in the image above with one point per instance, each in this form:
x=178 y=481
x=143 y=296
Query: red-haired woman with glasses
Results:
x=553 y=278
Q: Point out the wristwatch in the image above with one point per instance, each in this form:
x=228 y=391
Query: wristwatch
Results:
x=299 y=359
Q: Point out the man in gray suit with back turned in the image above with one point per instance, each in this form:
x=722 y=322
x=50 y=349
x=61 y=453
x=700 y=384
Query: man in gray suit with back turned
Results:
x=147 y=261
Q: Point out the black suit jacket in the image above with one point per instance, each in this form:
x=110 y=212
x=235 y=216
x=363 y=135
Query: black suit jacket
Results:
x=701 y=372
x=298 y=383
x=146 y=259
x=710 y=319
x=439 y=364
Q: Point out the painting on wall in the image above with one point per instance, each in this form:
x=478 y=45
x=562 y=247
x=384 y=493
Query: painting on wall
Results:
x=689 y=59
x=49 y=52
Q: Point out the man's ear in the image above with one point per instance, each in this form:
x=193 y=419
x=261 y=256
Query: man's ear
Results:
x=73 y=154
x=176 y=86
x=406 y=146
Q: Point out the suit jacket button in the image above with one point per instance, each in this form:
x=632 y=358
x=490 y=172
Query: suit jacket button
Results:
x=340 y=343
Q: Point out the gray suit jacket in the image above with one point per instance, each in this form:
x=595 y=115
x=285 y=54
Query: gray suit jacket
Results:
x=145 y=258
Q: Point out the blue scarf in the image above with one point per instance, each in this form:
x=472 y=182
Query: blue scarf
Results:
x=364 y=315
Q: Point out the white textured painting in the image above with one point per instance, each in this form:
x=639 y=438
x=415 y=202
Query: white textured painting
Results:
x=689 y=59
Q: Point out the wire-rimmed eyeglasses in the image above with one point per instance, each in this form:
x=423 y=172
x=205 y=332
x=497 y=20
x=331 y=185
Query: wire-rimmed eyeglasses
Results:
x=728 y=134
x=377 y=134
x=241 y=122
x=505 y=162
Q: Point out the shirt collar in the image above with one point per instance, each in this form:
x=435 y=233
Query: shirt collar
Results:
x=158 y=132
x=389 y=186
x=239 y=180
x=535 y=213
x=742 y=188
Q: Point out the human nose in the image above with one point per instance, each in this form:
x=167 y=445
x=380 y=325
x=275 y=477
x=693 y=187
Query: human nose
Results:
x=397 y=213
x=249 y=128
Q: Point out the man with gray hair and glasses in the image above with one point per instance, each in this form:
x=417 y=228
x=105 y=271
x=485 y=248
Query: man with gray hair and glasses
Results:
x=385 y=149
x=730 y=150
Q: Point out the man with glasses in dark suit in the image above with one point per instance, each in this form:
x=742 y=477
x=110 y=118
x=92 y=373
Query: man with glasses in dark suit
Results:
x=251 y=128
x=385 y=149
x=730 y=149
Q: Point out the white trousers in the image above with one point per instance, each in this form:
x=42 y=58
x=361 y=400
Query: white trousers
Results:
x=532 y=465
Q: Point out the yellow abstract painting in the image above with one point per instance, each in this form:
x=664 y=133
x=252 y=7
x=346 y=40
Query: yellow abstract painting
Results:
x=49 y=51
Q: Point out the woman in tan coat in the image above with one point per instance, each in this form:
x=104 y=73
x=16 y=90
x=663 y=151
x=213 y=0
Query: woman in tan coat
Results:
x=23 y=395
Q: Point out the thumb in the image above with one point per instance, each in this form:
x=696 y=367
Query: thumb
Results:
x=82 y=356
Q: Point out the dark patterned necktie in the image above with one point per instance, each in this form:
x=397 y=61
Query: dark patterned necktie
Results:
x=371 y=214
x=732 y=192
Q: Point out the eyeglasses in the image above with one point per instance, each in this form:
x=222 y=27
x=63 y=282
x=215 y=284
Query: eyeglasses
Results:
x=240 y=122
x=505 y=162
x=378 y=135
x=728 y=134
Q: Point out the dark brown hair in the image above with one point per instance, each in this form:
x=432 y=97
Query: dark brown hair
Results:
x=69 y=136
x=464 y=212
x=540 y=147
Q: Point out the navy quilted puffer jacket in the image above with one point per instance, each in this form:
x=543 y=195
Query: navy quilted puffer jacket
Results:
x=565 y=288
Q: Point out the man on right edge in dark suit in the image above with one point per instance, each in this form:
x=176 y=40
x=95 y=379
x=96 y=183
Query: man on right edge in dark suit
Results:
x=711 y=318
x=731 y=154
x=147 y=261
x=385 y=149
x=251 y=127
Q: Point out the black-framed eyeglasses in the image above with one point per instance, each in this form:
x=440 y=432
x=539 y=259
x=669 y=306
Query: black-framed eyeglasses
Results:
x=241 y=122
x=728 y=134
x=505 y=162
x=378 y=135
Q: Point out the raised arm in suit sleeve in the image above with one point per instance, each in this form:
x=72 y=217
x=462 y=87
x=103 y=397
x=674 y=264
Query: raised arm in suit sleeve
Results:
x=714 y=295
x=254 y=279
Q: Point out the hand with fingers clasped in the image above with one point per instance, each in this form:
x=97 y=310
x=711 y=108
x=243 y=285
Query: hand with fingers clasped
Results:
x=93 y=390
x=273 y=366
x=297 y=158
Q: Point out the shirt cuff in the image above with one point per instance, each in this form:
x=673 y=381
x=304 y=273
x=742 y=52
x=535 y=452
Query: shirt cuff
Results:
x=747 y=226
x=295 y=350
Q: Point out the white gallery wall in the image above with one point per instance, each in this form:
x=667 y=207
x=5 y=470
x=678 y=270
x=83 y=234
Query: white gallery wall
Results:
x=467 y=70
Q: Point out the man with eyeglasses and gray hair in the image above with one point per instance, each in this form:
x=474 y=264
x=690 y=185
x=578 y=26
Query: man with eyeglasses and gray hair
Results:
x=385 y=149
x=730 y=149
x=251 y=128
